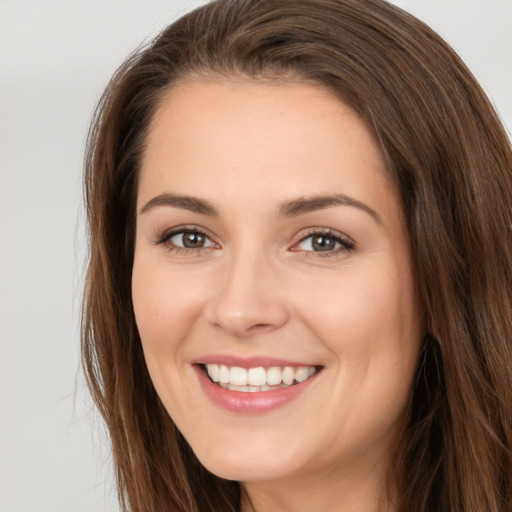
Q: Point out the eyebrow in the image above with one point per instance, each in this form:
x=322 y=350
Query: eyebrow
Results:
x=293 y=208
x=192 y=204
x=307 y=204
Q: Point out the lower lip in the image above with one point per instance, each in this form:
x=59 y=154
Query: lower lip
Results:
x=258 y=402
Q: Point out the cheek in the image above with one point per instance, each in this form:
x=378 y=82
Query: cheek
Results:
x=362 y=303
x=369 y=323
x=368 y=319
x=166 y=306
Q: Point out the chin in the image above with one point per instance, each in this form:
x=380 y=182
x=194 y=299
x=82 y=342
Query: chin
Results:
x=246 y=465
x=248 y=472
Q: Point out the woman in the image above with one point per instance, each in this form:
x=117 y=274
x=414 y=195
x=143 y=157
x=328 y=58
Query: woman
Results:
x=299 y=288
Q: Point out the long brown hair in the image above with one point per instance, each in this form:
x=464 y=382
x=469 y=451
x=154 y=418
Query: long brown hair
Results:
x=451 y=160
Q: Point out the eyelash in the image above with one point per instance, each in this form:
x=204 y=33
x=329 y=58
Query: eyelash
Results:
x=346 y=244
x=164 y=239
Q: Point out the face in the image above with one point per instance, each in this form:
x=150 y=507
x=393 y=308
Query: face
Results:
x=272 y=282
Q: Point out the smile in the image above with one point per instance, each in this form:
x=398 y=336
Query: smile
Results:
x=257 y=379
x=254 y=385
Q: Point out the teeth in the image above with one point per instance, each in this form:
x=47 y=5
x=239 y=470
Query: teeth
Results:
x=223 y=374
x=274 y=376
x=214 y=372
x=257 y=379
x=289 y=375
x=238 y=376
x=301 y=374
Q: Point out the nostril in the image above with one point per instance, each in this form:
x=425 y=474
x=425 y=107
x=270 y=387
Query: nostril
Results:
x=259 y=327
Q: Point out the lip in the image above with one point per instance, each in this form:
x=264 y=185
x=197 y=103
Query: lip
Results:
x=248 y=362
x=259 y=402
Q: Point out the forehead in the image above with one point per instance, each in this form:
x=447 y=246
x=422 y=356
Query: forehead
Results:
x=237 y=139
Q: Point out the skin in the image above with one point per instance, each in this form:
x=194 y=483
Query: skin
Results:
x=258 y=288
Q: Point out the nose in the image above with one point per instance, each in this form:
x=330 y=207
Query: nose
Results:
x=250 y=297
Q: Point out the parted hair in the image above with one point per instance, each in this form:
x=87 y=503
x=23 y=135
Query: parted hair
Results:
x=451 y=160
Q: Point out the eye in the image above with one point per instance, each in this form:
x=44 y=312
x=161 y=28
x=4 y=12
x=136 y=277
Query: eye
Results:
x=190 y=240
x=185 y=239
x=325 y=242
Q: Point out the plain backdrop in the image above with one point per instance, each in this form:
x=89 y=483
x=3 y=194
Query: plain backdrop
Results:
x=55 y=59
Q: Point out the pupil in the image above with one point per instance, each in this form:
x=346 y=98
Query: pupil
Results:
x=193 y=240
x=323 y=243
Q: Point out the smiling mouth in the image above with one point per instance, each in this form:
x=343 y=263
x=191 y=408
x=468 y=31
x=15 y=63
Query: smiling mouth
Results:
x=252 y=380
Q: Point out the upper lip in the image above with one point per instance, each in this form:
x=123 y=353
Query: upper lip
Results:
x=249 y=362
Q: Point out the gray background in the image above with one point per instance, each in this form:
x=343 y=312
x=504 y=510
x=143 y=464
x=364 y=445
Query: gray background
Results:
x=55 y=58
